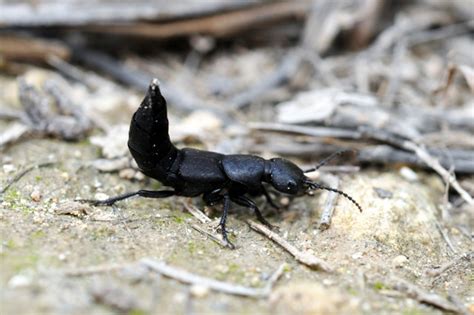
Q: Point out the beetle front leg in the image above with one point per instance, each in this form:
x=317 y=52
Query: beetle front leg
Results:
x=269 y=198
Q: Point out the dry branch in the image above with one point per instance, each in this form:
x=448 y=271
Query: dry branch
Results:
x=223 y=24
x=303 y=257
x=76 y=12
x=21 y=48
x=416 y=293
x=185 y=277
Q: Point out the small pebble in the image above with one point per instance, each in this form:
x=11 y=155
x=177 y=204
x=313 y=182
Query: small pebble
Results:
x=399 y=261
x=9 y=168
x=382 y=193
x=409 y=174
x=36 y=195
x=199 y=290
x=357 y=256
x=285 y=201
x=127 y=173
x=19 y=281
x=139 y=176
x=101 y=196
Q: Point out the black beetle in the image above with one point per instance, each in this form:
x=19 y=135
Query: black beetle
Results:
x=217 y=177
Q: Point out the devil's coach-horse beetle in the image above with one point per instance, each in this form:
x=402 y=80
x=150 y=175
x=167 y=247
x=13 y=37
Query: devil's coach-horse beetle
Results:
x=217 y=177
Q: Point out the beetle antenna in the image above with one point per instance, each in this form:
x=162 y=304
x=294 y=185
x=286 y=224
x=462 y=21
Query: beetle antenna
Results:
x=326 y=160
x=313 y=185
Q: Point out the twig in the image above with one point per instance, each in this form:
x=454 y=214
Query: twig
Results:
x=196 y=213
x=422 y=296
x=23 y=173
x=184 y=276
x=180 y=98
x=331 y=199
x=286 y=70
x=435 y=165
x=446 y=238
x=438 y=271
x=303 y=257
x=13 y=133
x=89 y=271
x=310 y=131
x=216 y=285
x=459 y=304
x=123 y=220
x=213 y=237
x=222 y=24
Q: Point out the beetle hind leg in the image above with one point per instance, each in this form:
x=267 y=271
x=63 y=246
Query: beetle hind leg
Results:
x=142 y=193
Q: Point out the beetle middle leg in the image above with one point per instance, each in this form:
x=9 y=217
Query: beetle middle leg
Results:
x=246 y=202
x=141 y=193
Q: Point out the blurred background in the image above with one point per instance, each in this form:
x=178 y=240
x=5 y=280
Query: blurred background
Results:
x=392 y=79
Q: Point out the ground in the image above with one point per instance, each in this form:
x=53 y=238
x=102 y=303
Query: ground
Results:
x=397 y=236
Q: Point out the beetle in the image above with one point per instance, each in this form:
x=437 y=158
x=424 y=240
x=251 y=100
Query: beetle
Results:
x=214 y=176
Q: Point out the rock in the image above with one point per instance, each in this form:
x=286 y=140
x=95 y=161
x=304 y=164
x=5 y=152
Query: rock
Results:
x=408 y=174
x=399 y=261
x=406 y=222
x=36 y=195
x=114 y=143
x=199 y=291
x=74 y=208
x=19 y=281
x=311 y=298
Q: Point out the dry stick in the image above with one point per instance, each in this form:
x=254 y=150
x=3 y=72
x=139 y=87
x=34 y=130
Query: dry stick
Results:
x=288 y=67
x=435 y=165
x=330 y=202
x=13 y=133
x=459 y=304
x=303 y=257
x=438 y=271
x=210 y=235
x=123 y=220
x=180 y=98
x=23 y=173
x=198 y=214
x=310 y=131
x=216 y=285
x=446 y=238
x=186 y=277
x=422 y=154
x=421 y=295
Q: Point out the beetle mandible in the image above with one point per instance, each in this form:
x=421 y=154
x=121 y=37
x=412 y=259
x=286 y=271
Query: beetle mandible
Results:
x=214 y=176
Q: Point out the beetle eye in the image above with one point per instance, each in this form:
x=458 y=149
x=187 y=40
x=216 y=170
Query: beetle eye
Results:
x=291 y=185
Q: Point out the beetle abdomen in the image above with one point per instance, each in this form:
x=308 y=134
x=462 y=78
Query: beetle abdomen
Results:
x=149 y=140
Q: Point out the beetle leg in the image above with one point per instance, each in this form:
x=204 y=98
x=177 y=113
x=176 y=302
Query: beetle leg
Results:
x=212 y=197
x=269 y=199
x=141 y=193
x=246 y=202
x=223 y=222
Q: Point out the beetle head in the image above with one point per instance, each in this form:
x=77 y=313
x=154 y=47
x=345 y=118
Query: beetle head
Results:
x=285 y=176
